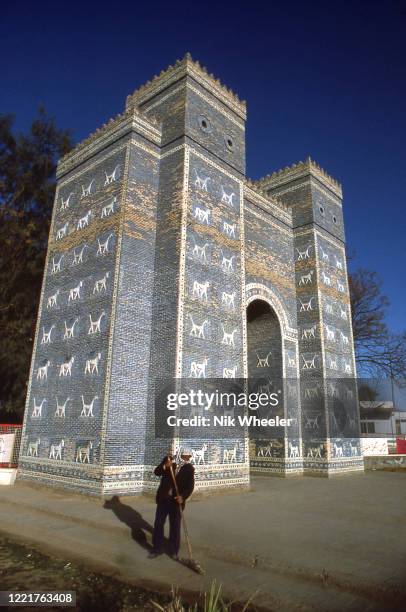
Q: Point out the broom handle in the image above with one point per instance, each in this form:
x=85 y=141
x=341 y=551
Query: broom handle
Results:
x=189 y=546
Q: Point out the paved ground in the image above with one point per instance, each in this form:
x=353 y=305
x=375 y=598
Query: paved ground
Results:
x=300 y=543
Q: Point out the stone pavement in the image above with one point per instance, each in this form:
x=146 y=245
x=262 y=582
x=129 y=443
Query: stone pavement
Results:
x=299 y=543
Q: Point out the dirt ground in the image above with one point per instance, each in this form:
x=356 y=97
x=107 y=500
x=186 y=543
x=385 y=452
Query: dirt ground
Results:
x=22 y=568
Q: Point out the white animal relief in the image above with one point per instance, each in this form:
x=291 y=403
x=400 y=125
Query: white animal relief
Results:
x=61 y=408
x=37 y=411
x=326 y=279
x=230 y=372
x=311 y=392
x=344 y=339
x=309 y=364
x=86 y=191
x=291 y=361
x=95 y=325
x=306 y=279
x=306 y=306
x=329 y=308
x=228 y=299
x=109 y=208
x=70 y=330
x=333 y=390
x=324 y=254
x=330 y=333
x=333 y=364
x=87 y=410
x=56 y=265
x=65 y=203
x=265 y=451
x=42 y=373
x=103 y=247
x=201 y=183
x=84 y=221
x=301 y=255
x=349 y=394
x=200 y=251
x=354 y=449
x=199 y=290
x=83 y=453
x=315 y=451
x=56 y=450
x=312 y=422
x=293 y=450
x=74 y=293
x=266 y=388
x=78 y=257
x=228 y=338
x=334 y=422
x=227 y=198
x=197 y=331
x=61 y=232
x=92 y=365
x=33 y=448
x=339 y=264
x=198 y=369
x=230 y=455
x=198 y=455
x=227 y=263
x=65 y=369
x=308 y=332
x=351 y=422
x=229 y=229
x=347 y=367
x=263 y=362
x=47 y=336
x=337 y=450
x=202 y=215
x=340 y=286
x=101 y=284
x=52 y=299
x=111 y=178
x=343 y=313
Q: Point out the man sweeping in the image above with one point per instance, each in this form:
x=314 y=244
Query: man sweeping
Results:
x=176 y=486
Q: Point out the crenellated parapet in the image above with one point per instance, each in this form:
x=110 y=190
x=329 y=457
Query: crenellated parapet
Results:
x=251 y=188
x=299 y=170
x=130 y=119
x=182 y=68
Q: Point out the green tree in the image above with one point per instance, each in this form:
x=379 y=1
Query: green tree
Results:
x=27 y=188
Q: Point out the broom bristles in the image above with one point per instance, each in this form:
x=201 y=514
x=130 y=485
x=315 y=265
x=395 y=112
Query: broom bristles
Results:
x=193 y=565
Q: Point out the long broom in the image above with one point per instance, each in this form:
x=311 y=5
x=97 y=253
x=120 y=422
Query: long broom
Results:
x=192 y=563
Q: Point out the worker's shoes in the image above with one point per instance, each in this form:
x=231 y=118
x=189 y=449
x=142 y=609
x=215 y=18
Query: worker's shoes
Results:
x=153 y=554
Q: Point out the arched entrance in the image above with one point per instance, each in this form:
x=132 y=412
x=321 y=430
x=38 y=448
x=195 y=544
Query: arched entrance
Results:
x=265 y=375
x=264 y=341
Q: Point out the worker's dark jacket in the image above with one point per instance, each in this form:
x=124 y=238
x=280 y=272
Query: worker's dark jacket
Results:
x=185 y=479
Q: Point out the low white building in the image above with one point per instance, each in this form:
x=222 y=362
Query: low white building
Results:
x=380 y=418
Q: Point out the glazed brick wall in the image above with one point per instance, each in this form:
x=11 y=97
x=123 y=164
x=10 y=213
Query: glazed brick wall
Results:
x=128 y=386
x=75 y=429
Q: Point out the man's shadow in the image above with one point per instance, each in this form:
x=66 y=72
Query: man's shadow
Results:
x=139 y=526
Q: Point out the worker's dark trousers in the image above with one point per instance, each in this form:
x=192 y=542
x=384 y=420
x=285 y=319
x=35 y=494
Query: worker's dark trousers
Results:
x=164 y=508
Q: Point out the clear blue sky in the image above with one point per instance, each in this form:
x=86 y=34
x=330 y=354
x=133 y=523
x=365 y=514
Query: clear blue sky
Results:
x=326 y=80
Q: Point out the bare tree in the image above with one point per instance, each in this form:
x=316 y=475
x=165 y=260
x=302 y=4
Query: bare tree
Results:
x=378 y=351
